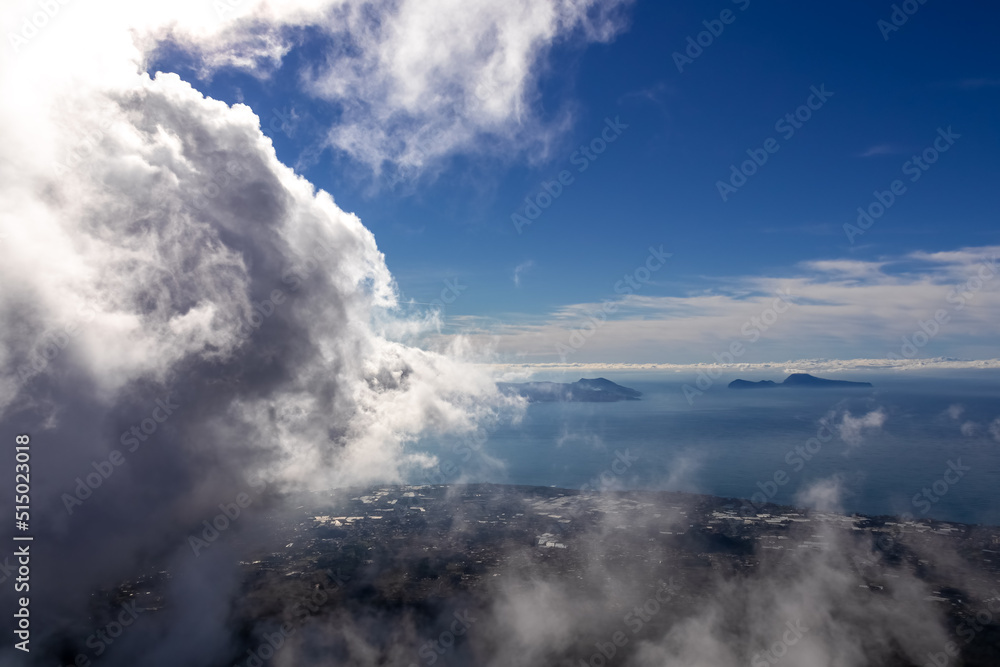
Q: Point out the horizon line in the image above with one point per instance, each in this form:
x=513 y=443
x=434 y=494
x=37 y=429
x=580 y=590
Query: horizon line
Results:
x=789 y=366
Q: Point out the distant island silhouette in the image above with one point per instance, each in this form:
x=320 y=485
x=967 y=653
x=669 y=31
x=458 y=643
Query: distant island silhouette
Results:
x=797 y=380
x=596 y=390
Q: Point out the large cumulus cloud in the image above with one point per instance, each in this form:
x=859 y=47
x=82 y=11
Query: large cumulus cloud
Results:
x=173 y=293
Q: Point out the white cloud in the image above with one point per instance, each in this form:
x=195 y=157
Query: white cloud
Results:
x=970 y=429
x=523 y=371
x=852 y=430
x=414 y=81
x=974 y=84
x=411 y=82
x=166 y=217
x=846 y=268
x=881 y=149
x=842 y=309
x=156 y=248
x=684 y=470
x=955 y=411
x=179 y=222
x=995 y=429
x=825 y=495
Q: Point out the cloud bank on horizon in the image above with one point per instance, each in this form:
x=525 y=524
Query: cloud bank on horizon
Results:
x=904 y=311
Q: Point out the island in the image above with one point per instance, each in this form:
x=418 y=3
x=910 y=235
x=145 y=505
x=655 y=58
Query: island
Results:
x=798 y=380
x=584 y=390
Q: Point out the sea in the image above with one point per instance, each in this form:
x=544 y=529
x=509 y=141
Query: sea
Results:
x=923 y=444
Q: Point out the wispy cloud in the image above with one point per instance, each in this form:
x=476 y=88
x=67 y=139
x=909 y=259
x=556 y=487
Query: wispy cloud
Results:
x=881 y=149
x=852 y=430
x=846 y=268
x=655 y=94
x=176 y=259
x=415 y=81
x=824 y=495
x=970 y=429
x=843 y=308
x=520 y=269
x=974 y=84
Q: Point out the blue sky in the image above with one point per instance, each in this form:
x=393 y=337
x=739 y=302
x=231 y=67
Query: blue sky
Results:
x=449 y=217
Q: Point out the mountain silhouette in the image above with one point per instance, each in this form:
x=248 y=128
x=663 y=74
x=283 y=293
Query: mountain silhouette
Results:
x=797 y=380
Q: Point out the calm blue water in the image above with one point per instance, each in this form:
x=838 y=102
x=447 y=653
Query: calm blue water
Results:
x=729 y=441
